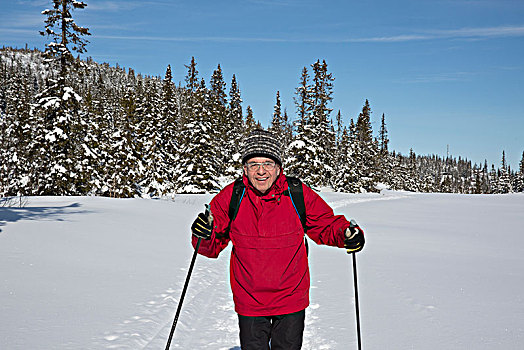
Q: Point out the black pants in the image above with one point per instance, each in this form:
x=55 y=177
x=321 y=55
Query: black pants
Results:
x=284 y=331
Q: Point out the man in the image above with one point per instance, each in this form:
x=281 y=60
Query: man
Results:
x=269 y=270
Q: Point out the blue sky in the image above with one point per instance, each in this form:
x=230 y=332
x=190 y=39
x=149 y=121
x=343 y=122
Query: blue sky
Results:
x=444 y=72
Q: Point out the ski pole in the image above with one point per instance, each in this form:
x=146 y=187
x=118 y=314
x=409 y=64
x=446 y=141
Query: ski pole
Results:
x=353 y=229
x=357 y=310
x=183 y=294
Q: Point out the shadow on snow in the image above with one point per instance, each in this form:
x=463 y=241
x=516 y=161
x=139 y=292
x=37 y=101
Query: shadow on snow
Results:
x=11 y=214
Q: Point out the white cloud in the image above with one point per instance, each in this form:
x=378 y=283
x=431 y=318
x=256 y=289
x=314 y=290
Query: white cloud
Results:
x=482 y=32
x=463 y=33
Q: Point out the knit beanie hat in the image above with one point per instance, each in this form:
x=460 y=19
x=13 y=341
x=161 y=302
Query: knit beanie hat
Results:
x=261 y=143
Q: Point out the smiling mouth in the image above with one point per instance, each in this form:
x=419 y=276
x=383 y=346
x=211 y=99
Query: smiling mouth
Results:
x=261 y=179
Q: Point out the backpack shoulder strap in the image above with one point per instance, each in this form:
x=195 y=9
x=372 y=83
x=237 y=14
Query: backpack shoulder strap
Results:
x=296 y=194
x=236 y=197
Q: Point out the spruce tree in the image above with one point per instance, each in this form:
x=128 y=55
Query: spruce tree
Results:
x=250 y=123
x=493 y=180
x=234 y=131
x=197 y=158
x=151 y=137
x=17 y=130
x=346 y=178
x=385 y=163
x=277 y=125
x=170 y=109
x=303 y=160
x=125 y=149
x=519 y=180
x=220 y=125
x=504 y=180
x=303 y=101
x=365 y=150
x=61 y=128
x=66 y=35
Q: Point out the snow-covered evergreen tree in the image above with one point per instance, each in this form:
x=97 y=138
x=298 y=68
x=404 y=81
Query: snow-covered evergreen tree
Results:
x=58 y=141
x=384 y=160
x=346 y=175
x=16 y=128
x=365 y=150
x=519 y=177
x=219 y=120
x=197 y=161
x=234 y=131
x=125 y=150
x=280 y=125
x=504 y=180
x=154 y=177
x=250 y=122
x=302 y=160
x=308 y=157
x=66 y=35
x=171 y=108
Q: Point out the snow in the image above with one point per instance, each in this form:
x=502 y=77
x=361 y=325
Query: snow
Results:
x=68 y=92
x=439 y=271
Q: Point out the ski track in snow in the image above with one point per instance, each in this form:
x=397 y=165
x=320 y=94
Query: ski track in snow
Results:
x=207 y=313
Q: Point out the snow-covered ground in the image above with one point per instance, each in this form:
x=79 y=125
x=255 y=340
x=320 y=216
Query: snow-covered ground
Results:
x=438 y=271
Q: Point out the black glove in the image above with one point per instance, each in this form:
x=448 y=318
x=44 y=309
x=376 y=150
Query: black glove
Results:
x=203 y=225
x=354 y=241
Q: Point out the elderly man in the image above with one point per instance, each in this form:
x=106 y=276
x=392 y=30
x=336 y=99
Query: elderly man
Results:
x=269 y=270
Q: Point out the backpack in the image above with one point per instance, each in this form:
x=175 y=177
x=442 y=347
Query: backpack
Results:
x=294 y=192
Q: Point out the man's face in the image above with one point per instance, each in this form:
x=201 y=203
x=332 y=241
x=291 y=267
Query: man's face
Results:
x=262 y=173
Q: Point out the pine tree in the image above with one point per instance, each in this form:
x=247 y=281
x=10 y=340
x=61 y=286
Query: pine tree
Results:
x=287 y=133
x=365 y=150
x=346 y=178
x=234 y=131
x=197 y=160
x=151 y=139
x=493 y=180
x=66 y=35
x=304 y=161
x=220 y=125
x=277 y=125
x=384 y=162
x=17 y=124
x=171 y=108
x=303 y=101
x=189 y=93
x=250 y=123
x=125 y=149
x=59 y=139
x=519 y=178
x=412 y=179
x=504 y=180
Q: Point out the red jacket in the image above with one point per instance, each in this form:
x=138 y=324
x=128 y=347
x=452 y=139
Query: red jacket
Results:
x=269 y=270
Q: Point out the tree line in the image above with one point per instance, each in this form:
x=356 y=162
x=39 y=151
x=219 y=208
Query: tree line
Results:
x=109 y=131
x=72 y=126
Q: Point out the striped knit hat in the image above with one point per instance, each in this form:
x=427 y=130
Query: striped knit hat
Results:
x=261 y=143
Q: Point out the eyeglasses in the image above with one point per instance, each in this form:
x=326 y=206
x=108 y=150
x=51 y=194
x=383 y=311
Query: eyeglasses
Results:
x=256 y=166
